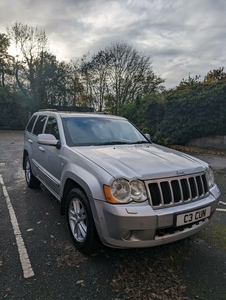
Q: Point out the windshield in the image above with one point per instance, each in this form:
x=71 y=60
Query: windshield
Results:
x=81 y=131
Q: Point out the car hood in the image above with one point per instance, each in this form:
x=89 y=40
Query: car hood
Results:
x=142 y=161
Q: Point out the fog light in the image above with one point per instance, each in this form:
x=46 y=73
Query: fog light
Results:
x=126 y=234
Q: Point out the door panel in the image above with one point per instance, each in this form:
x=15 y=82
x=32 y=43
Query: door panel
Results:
x=50 y=158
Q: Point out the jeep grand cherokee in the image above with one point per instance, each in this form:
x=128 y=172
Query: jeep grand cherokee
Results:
x=114 y=185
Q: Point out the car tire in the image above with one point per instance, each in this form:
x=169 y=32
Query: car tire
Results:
x=80 y=222
x=31 y=180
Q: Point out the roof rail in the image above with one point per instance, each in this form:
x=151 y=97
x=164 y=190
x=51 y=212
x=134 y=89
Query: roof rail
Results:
x=99 y=112
x=48 y=109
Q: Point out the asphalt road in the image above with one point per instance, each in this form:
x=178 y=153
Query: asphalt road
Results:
x=38 y=260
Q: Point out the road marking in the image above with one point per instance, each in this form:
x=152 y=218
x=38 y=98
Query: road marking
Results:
x=24 y=259
x=221 y=209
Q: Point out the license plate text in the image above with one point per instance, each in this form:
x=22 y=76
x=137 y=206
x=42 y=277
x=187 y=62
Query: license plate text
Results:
x=193 y=216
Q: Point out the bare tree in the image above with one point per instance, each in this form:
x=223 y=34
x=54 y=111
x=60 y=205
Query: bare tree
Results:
x=31 y=42
x=74 y=85
x=117 y=75
x=6 y=60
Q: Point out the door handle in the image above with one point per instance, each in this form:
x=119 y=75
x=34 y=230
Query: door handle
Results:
x=41 y=149
x=30 y=141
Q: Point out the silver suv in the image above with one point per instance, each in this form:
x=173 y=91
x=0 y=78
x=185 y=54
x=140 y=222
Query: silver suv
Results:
x=113 y=184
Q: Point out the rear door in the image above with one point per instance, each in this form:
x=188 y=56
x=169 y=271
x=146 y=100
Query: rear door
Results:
x=50 y=159
x=32 y=131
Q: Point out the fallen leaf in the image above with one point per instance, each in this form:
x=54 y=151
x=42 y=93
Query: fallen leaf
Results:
x=30 y=229
x=187 y=149
x=79 y=281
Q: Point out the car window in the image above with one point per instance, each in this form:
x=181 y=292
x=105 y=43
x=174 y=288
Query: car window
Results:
x=31 y=123
x=39 y=125
x=52 y=127
x=100 y=131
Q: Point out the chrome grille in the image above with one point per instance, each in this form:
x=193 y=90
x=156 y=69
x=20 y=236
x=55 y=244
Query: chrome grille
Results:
x=181 y=189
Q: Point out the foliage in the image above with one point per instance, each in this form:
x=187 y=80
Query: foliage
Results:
x=11 y=114
x=5 y=60
x=31 y=42
x=189 y=81
x=40 y=77
x=215 y=75
x=147 y=113
x=117 y=79
x=50 y=82
x=158 y=138
x=194 y=150
x=116 y=76
x=195 y=111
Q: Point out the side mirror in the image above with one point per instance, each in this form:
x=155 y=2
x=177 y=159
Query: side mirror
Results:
x=147 y=135
x=48 y=140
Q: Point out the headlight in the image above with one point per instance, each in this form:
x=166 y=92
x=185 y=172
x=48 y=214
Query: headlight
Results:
x=210 y=177
x=123 y=191
x=138 y=192
x=120 y=190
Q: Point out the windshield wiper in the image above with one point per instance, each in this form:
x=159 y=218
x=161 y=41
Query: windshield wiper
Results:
x=111 y=143
x=140 y=142
x=102 y=143
x=121 y=143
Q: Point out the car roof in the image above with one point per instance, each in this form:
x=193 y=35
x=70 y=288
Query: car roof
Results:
x=65 y=114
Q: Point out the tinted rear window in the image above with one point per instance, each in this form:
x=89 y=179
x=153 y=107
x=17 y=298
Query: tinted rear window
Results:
x=39 y=125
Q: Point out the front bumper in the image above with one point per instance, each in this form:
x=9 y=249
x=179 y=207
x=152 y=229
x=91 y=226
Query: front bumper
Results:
x=135 y=226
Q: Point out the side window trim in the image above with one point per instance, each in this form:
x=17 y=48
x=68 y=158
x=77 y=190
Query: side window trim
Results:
x=31 y=123
x=52 y=127
x=40 y=118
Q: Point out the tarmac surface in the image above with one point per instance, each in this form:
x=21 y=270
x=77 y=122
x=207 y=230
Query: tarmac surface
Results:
x=215 y=161
x=194 y=268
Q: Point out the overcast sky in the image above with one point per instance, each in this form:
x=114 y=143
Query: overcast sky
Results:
x=182 y=37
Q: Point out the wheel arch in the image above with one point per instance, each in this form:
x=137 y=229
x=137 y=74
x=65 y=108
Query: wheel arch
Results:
x=25 y=154
x=69 y=185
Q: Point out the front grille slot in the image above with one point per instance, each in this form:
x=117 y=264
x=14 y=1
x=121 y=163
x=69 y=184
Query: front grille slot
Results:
x=199 y=185
x=185 y=189
x=166 y=192
x=193 y=187
x=177 y=190
x=155 y=192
